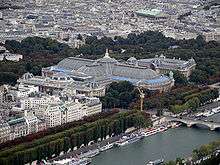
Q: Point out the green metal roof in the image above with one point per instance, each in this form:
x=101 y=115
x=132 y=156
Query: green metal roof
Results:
x=16 y=121
x=153 y=12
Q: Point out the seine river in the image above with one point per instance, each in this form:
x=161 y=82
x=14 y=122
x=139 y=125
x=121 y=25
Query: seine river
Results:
x=178 y=142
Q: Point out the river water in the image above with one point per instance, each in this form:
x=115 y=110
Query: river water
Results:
x=169 y=145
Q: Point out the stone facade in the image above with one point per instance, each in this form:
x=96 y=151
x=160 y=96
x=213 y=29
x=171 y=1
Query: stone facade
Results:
x=4 y=131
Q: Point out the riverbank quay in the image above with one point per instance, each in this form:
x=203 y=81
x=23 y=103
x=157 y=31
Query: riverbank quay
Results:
x=95 y=146
x=85 y=149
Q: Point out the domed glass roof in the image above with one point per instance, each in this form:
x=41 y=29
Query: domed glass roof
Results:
x=134 y=72
x=93 y=70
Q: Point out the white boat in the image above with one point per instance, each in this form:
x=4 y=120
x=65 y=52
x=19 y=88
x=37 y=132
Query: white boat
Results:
x=90 y=154
x=216 y=110
x=199 y=114
x=149 y=132
x=134 y=138
x=71 y=161
x=162 y=129
x=178 y=125
x=209 y=113
x=83 y=161
x=146 y=134
x=106 y=147
x=122 y=141
x=129 y=139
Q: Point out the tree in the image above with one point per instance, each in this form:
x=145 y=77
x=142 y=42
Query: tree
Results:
x=73 y=141
x=193 y=103
x=28 y=66
x=198 y=76
x=79 y=37
x=200 y=41
x=179 y=161
x=67 y=144
x=8 y=78
x=13 y=46
x=91 y=40
x=178 y=108
x=125 y=98
x=119 y=94
x=179 y=78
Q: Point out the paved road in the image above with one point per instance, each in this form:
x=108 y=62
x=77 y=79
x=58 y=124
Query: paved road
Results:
x=209 y=106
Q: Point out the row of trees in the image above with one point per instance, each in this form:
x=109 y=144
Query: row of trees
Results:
x=205 y=73
x=35 y=45
x=193 y=101
x=191 y=104
x=53 y=145
x=139 y=44
x=148 y=41
x=180 y=98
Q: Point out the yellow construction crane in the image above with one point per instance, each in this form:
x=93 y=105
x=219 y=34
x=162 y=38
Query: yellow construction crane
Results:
x=142 y=95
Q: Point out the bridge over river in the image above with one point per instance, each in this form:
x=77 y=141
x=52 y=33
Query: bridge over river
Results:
x=192 y=122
